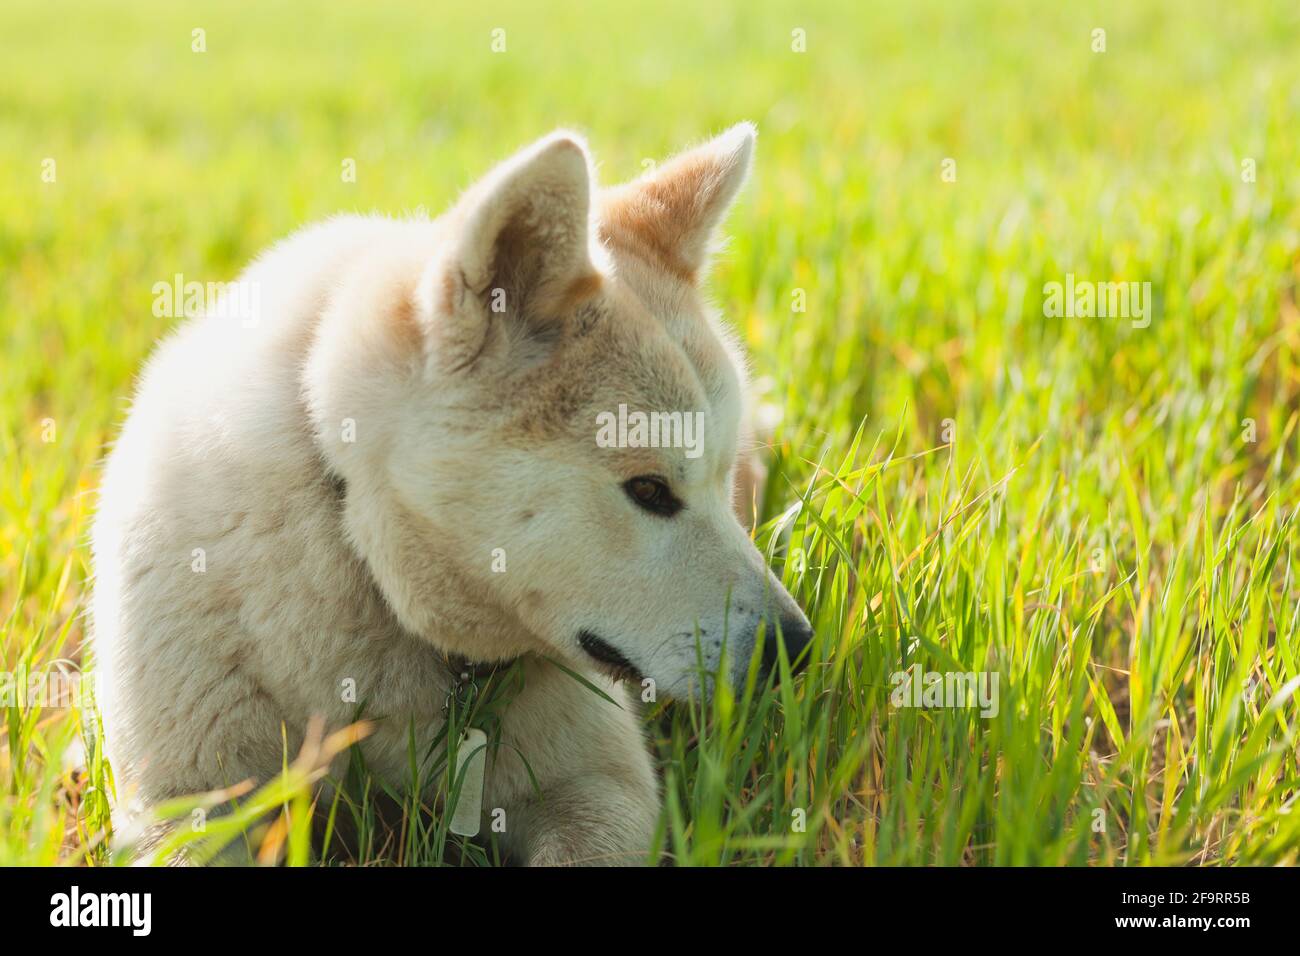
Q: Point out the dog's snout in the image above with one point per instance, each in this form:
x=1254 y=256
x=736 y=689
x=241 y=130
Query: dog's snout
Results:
x=796 y=633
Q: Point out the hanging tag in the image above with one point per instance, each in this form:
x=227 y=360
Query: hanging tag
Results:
x=467 y=817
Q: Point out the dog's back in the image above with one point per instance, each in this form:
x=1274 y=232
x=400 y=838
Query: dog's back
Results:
x=227 y=600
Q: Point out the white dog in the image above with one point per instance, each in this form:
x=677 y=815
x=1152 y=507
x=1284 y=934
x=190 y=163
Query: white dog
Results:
x=395 y=469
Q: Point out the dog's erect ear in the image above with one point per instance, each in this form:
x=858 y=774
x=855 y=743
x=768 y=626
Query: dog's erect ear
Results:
x=672 y=211
x=516 y=253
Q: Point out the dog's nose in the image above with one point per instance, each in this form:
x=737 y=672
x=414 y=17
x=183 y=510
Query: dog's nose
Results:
x=797 y=634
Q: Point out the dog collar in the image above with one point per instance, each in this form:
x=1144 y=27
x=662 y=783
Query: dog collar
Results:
x=463 y=670
x=468 y=677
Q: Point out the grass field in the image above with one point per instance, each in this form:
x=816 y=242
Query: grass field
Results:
x=1098 y=511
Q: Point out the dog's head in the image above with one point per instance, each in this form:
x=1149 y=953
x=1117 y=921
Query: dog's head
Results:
x=571 y=426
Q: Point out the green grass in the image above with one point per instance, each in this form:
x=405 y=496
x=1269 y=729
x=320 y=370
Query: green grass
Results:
x=1072 y=504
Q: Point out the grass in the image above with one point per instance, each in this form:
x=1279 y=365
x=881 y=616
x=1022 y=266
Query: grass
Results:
x=1100 y=514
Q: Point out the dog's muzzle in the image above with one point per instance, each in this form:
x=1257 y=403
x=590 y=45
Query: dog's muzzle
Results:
x=796 y=634
x=607 y=654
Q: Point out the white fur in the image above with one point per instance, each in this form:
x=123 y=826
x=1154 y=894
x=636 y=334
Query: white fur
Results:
x=236 y=445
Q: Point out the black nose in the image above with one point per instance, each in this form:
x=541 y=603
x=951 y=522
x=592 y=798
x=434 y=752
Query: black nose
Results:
x=797 y=634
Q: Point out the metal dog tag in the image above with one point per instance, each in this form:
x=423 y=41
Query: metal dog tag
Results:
x=467 y=816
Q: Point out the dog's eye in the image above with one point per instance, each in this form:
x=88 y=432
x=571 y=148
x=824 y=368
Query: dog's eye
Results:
x=652 y=494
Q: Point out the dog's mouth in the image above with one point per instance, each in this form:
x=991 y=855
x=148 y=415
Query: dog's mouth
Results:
x=618 y=666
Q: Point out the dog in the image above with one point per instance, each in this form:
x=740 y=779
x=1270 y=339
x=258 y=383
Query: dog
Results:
x=395 y=469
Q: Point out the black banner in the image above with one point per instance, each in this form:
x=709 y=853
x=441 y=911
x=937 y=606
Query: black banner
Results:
x=364 y=904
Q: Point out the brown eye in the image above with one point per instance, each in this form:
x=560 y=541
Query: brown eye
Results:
x=652 y=494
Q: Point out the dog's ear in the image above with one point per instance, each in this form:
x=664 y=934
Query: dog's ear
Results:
x=672 y=210
x=516 y=252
